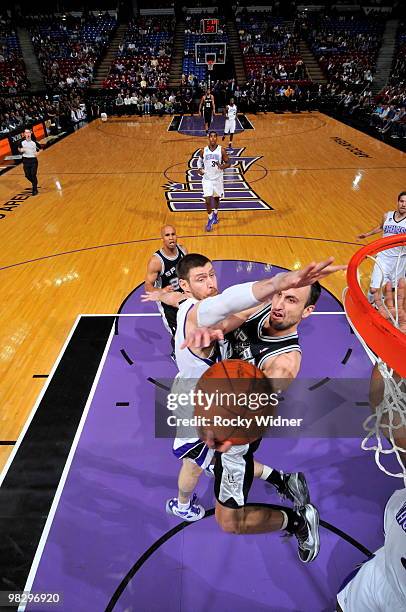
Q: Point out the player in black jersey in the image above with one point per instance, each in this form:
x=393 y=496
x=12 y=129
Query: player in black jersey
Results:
x=161 y=273
x=208 y=107
x=267 y=337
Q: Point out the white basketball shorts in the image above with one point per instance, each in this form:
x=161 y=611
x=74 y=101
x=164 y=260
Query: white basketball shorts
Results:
x=213 y=187
x=229 y=127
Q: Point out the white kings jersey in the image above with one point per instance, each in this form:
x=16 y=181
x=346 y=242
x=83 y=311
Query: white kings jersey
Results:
x=395 y=544
x=231 y=112
x=191 y=367
x=211 y=160
x=189 y=364
x=392 y=228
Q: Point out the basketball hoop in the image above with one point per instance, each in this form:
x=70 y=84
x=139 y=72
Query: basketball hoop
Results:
x=210 y=65
x=380 y=335
x=385 y=345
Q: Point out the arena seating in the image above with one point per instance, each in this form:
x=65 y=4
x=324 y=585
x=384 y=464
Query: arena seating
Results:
x=69 y=50
x=144 y=57
x=270 y=48
x=346 y=47
x=13 y=76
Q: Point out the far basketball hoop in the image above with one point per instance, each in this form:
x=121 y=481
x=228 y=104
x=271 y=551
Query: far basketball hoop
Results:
x=210 y=66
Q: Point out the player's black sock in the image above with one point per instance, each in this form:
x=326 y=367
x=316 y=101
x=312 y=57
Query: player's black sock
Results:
x=295 y=521
x=275 y=479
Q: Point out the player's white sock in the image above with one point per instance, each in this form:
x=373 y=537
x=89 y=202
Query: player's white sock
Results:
x=266 y=472
x=215 y=210
x=211 y=215
x=183 y=507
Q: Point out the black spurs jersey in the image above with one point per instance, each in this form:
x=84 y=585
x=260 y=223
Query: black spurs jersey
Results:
x=207 y=105
x=251 y=344
x=166 y=277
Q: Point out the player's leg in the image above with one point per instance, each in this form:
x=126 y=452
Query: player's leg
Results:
x=292 y=486
x=226 y=129
x=218 y=192
x=196 y=457
x=207 y=119
x=216 y=206
x=232 y=132
x=380 y=274
x=207 y=185
x=234 y=473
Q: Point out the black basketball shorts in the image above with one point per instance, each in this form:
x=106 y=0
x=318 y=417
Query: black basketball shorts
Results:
x=234 y=473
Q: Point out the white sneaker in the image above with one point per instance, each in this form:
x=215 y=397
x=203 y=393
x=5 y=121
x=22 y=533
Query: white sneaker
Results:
x=195 y=512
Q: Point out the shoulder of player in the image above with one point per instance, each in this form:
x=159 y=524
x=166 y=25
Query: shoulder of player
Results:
x=155 y=263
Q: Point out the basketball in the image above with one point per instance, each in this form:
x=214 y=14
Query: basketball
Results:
x=235 y=399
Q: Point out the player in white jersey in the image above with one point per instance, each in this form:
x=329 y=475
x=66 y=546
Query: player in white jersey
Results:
x=198 y=280
x=211 y=164
x=230 y=113
x=393 y=222
x=380 y=584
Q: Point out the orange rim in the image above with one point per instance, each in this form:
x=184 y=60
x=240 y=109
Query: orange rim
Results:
x=379 y=334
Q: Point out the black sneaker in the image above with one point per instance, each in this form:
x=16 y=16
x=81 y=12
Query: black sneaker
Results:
x=294 y=487
x=35 y=192
x=308 y=535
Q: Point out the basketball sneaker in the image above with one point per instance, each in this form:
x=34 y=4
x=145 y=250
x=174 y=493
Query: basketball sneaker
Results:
x=294 y=487
x=215 y=218
x=307 y=534
x=195 y=511
x=210 y=223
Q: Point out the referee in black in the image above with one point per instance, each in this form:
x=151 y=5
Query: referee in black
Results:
x=29 y=149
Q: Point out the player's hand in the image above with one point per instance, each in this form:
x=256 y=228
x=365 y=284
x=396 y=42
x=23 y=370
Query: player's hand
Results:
x=152 y=296
x=388 y=308
x=221 y=447
x=306 y=276
x=167 y=289
x=202 y=337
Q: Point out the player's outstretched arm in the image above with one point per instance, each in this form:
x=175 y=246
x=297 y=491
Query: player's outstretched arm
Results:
x=372 y=232
x=210 y=311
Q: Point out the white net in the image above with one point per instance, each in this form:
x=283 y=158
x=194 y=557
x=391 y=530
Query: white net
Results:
x=386 y=427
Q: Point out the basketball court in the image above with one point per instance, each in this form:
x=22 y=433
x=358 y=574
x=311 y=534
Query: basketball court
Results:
x=85 y=479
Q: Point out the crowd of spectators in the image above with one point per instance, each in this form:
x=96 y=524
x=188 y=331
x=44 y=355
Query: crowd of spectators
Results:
x=382 y=115
x=144 y=56
x=270 y=48
x=13 y=77
x=65 y=111
x=398 y=73
x=346 y=47
x=68 y=50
